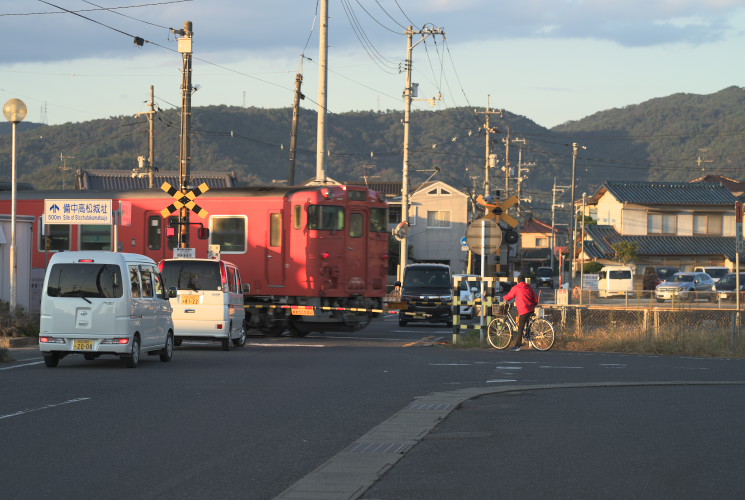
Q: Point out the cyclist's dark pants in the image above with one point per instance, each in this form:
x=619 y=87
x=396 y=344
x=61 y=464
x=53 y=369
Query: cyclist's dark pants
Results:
x=522 y=320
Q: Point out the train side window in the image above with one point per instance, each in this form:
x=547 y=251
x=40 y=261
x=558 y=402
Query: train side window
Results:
x=275 y=230
x=154 y=232
x=95 y=237
x=379 y=220
x=356 y=225
x=58 y=236
x=229 y=232
x=297 y=216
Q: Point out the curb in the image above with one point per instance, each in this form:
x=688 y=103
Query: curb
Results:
x=11 y=342
x=5 y=356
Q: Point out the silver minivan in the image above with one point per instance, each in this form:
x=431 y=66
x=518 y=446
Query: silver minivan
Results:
x=96 y=302
x=208 y=304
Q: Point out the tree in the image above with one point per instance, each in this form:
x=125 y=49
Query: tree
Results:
x=626 y=251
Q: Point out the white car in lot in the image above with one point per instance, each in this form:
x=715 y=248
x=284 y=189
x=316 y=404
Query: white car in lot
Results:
x=469 y=289
x=96 y=302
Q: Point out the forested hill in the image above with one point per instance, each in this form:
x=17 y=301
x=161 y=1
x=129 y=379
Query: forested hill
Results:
x=673 y=138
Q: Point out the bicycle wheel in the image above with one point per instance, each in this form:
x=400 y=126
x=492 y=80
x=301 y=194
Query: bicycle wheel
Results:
x=499 y=333
x=542 y=334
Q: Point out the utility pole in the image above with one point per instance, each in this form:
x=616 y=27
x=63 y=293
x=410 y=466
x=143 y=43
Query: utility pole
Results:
x=557 y=190
x=293 y=135
x=700 y=161
x=185 y=48
x=323 y=50
x=64 y=168
x=490 y=159
x=573 y=219
x=151 y=122
x=425 y=33
x=507 y=165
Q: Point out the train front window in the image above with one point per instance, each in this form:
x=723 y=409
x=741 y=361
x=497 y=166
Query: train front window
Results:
x=229 y=232
x=326 y=217
x=379 y=220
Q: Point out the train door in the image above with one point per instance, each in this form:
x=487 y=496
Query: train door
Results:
x=155 y=246
x=356 y=252
x=274 y=262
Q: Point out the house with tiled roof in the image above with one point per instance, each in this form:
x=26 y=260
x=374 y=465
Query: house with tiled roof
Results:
x=736 y=187
x=681 y=224
x=536 y=242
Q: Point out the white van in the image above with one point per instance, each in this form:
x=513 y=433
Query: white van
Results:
x=615 y=280
x=96 y=302
x=716 y=272
x=209 y=301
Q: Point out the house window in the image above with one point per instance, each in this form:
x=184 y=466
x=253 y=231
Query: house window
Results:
x=394 y=214
x=710 y=224
x=228 y=232
x=541 y=242
x=438 y=218
x=660 y=223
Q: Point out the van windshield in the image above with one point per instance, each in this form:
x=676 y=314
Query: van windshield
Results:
x=88 y=280
x=716 y=273
x=192 y=275
x=545 y=272
x=427 y=277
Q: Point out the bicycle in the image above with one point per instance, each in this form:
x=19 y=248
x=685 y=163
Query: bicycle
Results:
x=539 y=332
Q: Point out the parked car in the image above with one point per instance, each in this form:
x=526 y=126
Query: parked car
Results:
x=469 y=289
x=654 y=275
x=664 y=273
x=716 y=272
x=725 y=287
x=686 y=286
x=96 y=302
x=544 y=276
x=427 y=290
x=615 y=280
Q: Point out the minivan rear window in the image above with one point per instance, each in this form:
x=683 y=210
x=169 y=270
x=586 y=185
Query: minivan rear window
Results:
x=192 y=275
x=89 y=280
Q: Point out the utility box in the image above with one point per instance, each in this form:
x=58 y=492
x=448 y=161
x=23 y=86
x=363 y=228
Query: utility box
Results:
x=563 y=297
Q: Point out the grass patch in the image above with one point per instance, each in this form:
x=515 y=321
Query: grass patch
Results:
x=17 y=324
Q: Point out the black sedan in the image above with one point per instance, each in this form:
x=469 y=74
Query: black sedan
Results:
x=725 y=287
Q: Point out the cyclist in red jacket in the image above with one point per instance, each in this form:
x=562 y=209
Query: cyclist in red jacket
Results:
x=525 y=300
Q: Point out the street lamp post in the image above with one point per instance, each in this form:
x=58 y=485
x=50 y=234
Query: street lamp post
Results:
x=14 y=111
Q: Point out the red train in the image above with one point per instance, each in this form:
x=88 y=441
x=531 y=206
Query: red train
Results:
x=323 y=246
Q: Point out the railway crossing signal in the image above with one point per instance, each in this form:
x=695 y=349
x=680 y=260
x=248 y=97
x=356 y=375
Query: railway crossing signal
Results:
x=184 y=199
x=498 y=210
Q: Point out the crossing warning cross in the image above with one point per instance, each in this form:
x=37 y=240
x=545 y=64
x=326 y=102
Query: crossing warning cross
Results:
x=184 y=199
x=497 y=210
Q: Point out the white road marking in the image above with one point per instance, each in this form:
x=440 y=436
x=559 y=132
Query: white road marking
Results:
x=500 y=380
x=45 y=407
x=286 y=345
x=508 y=367
x=19 y=366
x=563 y=367
x=450 y=364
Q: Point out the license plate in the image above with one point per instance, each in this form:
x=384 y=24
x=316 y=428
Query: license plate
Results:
x=83 y=345
x=190 y=299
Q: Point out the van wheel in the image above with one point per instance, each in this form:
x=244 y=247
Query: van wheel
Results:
x=167 y=352
x=51 y=360
x=240 y=341
x=225 y=343
x=402 y=322
x=134 y=357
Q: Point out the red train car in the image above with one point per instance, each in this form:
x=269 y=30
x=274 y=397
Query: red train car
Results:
x=322 y=246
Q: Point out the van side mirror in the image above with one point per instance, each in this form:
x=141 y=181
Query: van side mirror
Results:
x=246 y=287
x=172 y=292
x=203 y=233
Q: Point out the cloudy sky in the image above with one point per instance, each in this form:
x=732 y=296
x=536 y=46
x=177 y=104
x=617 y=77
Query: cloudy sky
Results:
x=549 y=60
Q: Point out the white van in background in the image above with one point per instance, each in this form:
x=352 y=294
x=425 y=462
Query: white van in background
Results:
x=615 y=280
x=96 y=302
x=209 y=300
x=716 y=272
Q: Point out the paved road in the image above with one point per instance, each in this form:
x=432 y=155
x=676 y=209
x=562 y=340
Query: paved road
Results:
x=281 y=417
